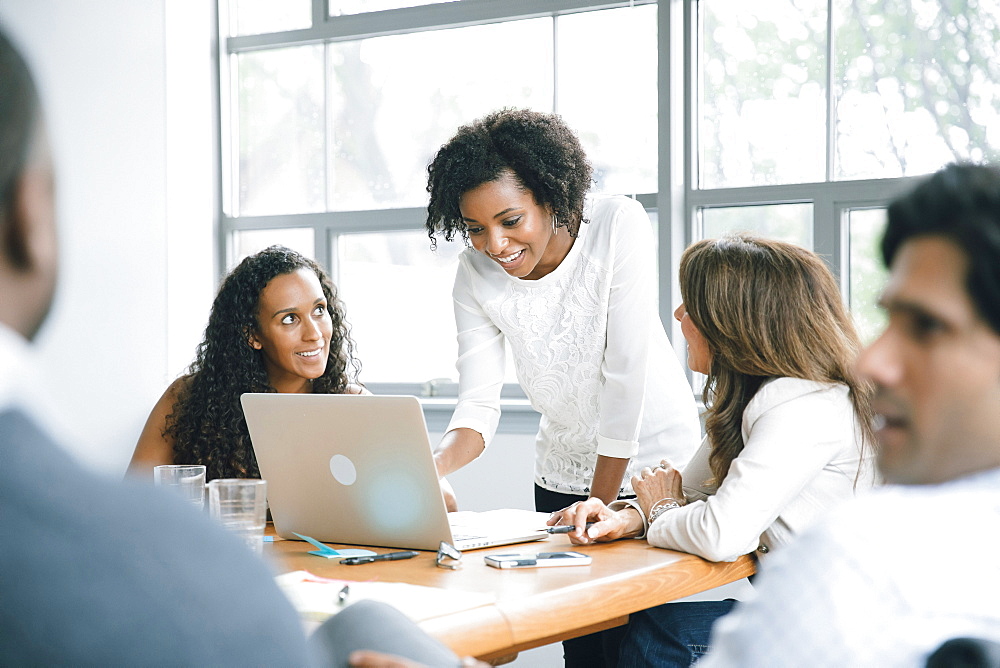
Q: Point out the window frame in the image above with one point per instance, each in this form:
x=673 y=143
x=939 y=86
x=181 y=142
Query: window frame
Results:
x=328 y=226
x=677 y=201
x=831 y=199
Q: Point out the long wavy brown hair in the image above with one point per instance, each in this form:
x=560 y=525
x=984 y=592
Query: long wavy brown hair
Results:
x=766 y=309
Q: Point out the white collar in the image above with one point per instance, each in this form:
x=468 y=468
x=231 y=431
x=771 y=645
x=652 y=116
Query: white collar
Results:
x=15 y=360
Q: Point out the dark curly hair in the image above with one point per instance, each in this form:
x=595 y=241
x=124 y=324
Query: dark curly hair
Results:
x=207 y=422
x=541 y=151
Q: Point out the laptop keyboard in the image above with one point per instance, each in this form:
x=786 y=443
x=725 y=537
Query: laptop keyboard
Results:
x=466 y=536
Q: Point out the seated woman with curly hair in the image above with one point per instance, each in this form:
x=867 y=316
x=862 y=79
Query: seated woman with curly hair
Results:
x=276 y=326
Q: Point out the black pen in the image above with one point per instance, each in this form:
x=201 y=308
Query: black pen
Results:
x=388 y=556
x=565 y=528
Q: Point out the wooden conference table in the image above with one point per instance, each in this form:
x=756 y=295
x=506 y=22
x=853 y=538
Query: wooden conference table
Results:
x=536 y=606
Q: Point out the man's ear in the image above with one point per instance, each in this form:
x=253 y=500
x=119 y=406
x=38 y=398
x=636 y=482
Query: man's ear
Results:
x=28 y=234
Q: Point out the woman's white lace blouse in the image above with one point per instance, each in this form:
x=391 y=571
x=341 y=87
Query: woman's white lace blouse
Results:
x=589 y=350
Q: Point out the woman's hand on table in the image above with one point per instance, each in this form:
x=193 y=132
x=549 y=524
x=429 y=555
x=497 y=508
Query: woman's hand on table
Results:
x=369 y=659
x=657 y=484
x=606 y=524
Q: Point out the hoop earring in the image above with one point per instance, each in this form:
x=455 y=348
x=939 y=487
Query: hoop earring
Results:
x=555 y=224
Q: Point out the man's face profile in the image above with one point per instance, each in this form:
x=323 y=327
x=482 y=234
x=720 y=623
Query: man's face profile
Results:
x=936 y=369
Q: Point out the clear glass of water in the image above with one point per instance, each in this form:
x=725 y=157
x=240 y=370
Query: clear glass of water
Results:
x=240 y=504
x=188 y=480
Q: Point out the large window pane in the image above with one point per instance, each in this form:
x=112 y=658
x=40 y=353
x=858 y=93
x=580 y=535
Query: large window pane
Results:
x=398 y=299
x=919 y=85
x=340 y=7
x=394 y=100
x=254 y=17
x=608 y=95
x=785 y=222
x=762 y=72
x=868 y=274
x=248 y=242
x=280 y=131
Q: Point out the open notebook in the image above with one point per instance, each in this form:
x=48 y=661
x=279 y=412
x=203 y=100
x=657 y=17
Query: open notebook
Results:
x=359 y=469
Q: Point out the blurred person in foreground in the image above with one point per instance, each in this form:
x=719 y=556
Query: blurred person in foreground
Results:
x=97 y=572
x=887 y=579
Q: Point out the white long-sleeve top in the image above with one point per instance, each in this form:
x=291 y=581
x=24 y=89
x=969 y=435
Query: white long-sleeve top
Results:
x=882 y=581
x=589 y=349
x=801 y=457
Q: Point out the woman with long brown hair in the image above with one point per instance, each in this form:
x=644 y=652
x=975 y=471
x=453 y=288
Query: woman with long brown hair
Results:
x=788 y=427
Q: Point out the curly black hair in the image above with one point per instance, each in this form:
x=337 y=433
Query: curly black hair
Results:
x=541 y=151
x=207 y=422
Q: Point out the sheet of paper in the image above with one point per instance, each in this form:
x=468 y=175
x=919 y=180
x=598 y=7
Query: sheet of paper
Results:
x=317 y=598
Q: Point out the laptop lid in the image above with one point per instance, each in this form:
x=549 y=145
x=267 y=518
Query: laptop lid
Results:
x=356 y=469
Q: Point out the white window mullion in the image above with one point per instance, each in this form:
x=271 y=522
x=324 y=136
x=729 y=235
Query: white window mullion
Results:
x=555 y=64
x=320 y=12
x=826 y=233
x=831 y=97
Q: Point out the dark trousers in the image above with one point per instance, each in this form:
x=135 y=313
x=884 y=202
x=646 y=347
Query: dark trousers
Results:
x=596 y=650
x=673 y=635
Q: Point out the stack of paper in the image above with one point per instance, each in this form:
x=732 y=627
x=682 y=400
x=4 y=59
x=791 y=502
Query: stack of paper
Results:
x=316 y=598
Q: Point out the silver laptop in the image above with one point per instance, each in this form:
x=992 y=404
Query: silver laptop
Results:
x=359 y=469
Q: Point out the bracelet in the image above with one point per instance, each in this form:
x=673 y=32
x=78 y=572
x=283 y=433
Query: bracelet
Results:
x=657 y=509
x=622 y=504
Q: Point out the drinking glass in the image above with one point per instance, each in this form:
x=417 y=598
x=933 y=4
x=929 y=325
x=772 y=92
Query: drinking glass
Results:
x=188 y=480
x=240 y=504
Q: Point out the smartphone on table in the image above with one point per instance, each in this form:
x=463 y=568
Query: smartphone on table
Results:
x=539 y=560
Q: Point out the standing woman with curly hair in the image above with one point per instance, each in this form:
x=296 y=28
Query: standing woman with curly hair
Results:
x=276 y=326
x=569 y=283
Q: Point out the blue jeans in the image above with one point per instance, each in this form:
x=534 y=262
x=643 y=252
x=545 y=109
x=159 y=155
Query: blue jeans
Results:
x=596 y=650
x=672 y=634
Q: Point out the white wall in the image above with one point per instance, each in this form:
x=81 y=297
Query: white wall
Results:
x=502 y=477
x=126 y=90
